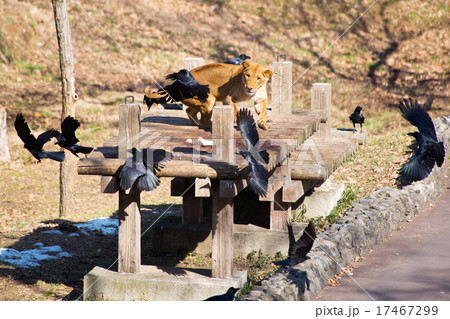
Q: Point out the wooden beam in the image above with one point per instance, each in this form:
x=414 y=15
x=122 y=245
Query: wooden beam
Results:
x=222 y=208
x=109 y=184
x=202 y=187
x=281 y=86
x=222 y=234
x=230 y=189
x=129 y=203
x=321 y=101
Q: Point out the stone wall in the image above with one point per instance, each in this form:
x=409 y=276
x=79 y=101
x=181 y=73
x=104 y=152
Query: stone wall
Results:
x=366 y=224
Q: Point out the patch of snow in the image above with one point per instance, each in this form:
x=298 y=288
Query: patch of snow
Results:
x=30 y=257
x=74 y=235
x=52 y=232
x=108 y=226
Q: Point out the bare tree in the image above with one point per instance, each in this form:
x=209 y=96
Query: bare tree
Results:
x=69 y=97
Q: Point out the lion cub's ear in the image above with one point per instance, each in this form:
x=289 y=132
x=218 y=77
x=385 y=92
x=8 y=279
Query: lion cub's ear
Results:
x=245 y=64
x=267 y=73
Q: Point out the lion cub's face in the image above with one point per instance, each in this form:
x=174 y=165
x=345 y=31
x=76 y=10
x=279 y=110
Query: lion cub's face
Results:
x=254 y=77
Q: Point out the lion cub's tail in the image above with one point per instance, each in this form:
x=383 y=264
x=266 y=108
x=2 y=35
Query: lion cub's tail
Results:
x=158 y=97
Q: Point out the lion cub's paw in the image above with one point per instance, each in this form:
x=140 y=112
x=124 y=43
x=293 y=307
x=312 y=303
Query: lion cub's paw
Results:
x=263 y=125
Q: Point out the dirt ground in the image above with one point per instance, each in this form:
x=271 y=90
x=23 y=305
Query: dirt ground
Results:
x=396 y=49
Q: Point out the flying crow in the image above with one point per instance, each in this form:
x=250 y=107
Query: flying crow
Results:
x=228 y=296
x=184 y=87
x=429 y=150
x=259 y=178
x=357 y=117
x=67 y=139
x=298 y=249
x=33 y=145
x=238 y=60
x=141 y=168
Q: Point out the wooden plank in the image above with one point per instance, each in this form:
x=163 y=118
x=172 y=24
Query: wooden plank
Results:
x=222 y=208
x=192 y=205
x=223 y=134
x=222 y=234
x=230 y=189
x=109 y=184
x=321 y=101
x=281 y=87
x=202 y=187
x=129 y=260
x=279 y=212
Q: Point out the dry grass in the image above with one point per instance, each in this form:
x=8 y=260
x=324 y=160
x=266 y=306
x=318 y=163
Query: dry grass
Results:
x=154 y=43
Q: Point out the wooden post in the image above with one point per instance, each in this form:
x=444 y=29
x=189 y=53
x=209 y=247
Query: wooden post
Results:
x=129 y=204
x=281 y=102
x=321 y=101
x=192 y=63
x=4 y=151
x=222 y=208
x=69 y=97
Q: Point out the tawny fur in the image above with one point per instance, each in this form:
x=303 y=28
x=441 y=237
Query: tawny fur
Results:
x=229 y=84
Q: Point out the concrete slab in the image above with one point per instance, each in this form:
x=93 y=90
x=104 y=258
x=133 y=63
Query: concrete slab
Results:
x=157 y=283
x=321 y=202
x=246 y=238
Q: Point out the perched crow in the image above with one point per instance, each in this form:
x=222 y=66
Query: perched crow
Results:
x=357 y=117
x=142 y=166
x=33 y=145
x=429 y=151
x=67 y=139
x=259 y=178
x=228 y=296
x=184 y=87
x=238 y=60
x=298 y=249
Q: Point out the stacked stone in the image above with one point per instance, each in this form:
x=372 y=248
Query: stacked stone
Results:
x=365 y=225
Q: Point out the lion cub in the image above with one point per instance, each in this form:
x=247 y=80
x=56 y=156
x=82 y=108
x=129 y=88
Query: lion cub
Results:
x=230 y=84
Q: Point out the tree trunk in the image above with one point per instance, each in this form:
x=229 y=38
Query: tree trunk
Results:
x=69 y=97
x=4 y=151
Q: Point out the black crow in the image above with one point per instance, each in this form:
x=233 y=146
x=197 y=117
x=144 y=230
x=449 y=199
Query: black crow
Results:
x=228 y=296
x=238 y=60
x=142 y=166
x=357 y=117
x=298 y=249
x=67 y=139
x=259 y=178
x=184 y=87
x=33 y=145
x=429 y=151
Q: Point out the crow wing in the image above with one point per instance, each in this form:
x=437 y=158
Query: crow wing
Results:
x=68 y=128
x=131 y=171
x=418 y=166
x=247 y=126
x=304 y=244
x=24 y=132
x=417 y=116
x=258 y=178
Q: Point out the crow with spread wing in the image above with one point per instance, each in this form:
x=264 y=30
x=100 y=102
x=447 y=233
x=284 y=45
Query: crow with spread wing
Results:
x=141 y=168
x=68 y=140
x=238 y=60
x=298 y=249
x=357 y=117
x=258 y=176
x=228 y=296
x=429 y=150
x=34 y=145
x=184 y=87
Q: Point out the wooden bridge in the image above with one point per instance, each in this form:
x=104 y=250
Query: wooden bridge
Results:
x=303 y=150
